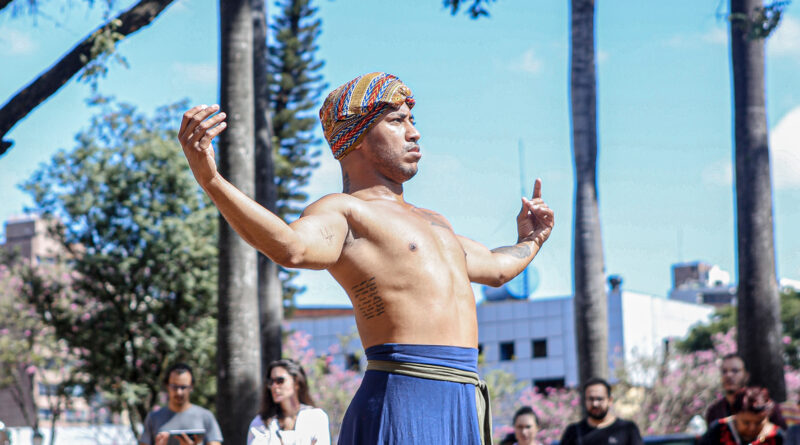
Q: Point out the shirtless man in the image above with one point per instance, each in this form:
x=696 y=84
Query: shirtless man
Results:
x=406 y=272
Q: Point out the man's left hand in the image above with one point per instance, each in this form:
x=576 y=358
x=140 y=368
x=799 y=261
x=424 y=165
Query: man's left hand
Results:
x=535 y=220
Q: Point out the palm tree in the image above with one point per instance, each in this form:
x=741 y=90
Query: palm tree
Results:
x=591 y=309
x=238 y=351
x=759 y=323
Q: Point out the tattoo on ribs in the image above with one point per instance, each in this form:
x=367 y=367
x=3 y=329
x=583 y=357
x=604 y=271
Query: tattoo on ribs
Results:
x=432 y=217
x=517 y=251
x=368 y=303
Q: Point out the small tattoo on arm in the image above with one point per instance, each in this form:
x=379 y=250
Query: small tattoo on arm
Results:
x=517 y=251
x=346 y=183
x=327 y=235
x=412 y=246
x=367 y=301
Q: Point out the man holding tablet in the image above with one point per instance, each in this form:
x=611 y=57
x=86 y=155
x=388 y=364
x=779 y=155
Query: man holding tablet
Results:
x=180 y=422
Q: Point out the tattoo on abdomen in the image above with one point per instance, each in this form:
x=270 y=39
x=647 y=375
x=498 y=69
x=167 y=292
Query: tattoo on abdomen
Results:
x=517 y=251
x=368 y=303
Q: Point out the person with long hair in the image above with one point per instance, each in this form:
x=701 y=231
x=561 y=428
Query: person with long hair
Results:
x=749 y=423
x=526 y=426
x=288 y=415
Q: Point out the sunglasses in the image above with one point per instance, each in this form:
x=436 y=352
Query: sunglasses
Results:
x=276 y=380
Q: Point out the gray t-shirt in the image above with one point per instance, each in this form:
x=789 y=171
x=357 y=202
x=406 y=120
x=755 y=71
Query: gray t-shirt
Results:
x=165 y=419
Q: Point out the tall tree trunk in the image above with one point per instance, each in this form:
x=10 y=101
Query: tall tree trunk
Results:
x=591 y=309
x=238 y=350
x=270 y=294
x=759 y=323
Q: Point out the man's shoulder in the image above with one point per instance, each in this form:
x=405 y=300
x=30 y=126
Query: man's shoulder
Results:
x=199 y=410
x=627 y=424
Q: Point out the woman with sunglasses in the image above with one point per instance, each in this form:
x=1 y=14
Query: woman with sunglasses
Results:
x=288 y=415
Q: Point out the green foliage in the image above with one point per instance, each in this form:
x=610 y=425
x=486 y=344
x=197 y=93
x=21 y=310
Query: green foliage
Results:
x=475 y=10
x=104 y=45
x=763 y=20
x=295 y=88
x=700 y=336
x=29 y=350
x=141 y=242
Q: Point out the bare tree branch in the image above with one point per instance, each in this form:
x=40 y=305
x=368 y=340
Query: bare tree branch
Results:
x=128 y=22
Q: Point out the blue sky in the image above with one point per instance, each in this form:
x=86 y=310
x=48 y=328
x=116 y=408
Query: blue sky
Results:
x=482 y=87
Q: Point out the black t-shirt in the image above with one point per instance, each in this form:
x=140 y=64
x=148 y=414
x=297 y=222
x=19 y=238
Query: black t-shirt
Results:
x=621 y=432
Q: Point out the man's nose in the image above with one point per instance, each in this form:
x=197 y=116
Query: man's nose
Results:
x=412 y=134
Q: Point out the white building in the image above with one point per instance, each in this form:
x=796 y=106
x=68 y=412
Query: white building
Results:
x=535 y=339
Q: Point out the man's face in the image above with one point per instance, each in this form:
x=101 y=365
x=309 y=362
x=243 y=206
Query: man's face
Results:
x=179 y=387
x=391 y=145
x=734 y=377
x=597 y=401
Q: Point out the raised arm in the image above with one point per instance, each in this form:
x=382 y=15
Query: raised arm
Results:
x=314 y=241
x=497 y=266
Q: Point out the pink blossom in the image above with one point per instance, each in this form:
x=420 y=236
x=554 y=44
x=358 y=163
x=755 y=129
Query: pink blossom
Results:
x=787 y=339
x=30 y=370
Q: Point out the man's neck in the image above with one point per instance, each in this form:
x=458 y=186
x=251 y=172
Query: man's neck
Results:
x=730 y=397
x=179 y=408
x=601 y=423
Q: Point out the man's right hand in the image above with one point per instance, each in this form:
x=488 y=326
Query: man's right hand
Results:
x=198 y=128
x=162 y=438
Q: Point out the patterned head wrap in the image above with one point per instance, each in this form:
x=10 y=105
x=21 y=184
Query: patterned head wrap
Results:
x=350 y=110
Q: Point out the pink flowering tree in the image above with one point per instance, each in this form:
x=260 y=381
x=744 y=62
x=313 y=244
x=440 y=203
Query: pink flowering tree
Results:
x=30 y=354
x=332 y=387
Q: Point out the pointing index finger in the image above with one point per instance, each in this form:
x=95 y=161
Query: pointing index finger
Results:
x=537 y=189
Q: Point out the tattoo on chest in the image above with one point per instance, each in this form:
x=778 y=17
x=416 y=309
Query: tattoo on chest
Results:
x=367 y=301
x=517 y=251
x=432 y=217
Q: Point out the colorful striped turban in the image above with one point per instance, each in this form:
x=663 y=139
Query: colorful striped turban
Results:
x=350 y=110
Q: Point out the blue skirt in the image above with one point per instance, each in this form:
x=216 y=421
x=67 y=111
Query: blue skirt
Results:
x=397 y=409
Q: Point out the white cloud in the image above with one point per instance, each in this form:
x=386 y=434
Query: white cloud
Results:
x=786 y=40
x=717 y=36
x=15 y=43
x=202 y=73
x=602 y=56
x=784 y=143
x=719 y=173
x=528 y=62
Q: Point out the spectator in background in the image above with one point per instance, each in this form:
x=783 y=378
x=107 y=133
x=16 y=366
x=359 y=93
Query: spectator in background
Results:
x=288 y=416
x=749 y=424
x=600 y=426
x=526 y=426
x=734 y=378
x=180 y=414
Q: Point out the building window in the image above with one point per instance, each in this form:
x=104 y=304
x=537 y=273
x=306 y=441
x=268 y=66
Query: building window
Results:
x=539 y=347
x=543 y=384
x=506 y=351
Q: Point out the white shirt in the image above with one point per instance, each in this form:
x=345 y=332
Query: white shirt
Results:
x=310 y=428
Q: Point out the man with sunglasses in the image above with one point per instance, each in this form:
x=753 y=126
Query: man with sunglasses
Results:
x=180 y=422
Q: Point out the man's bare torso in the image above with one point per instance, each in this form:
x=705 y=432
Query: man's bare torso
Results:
x=405 y=273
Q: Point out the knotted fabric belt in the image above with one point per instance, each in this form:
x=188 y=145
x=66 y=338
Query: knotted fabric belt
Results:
x=443 y=373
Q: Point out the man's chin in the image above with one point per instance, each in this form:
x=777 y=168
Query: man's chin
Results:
x=598 y=415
